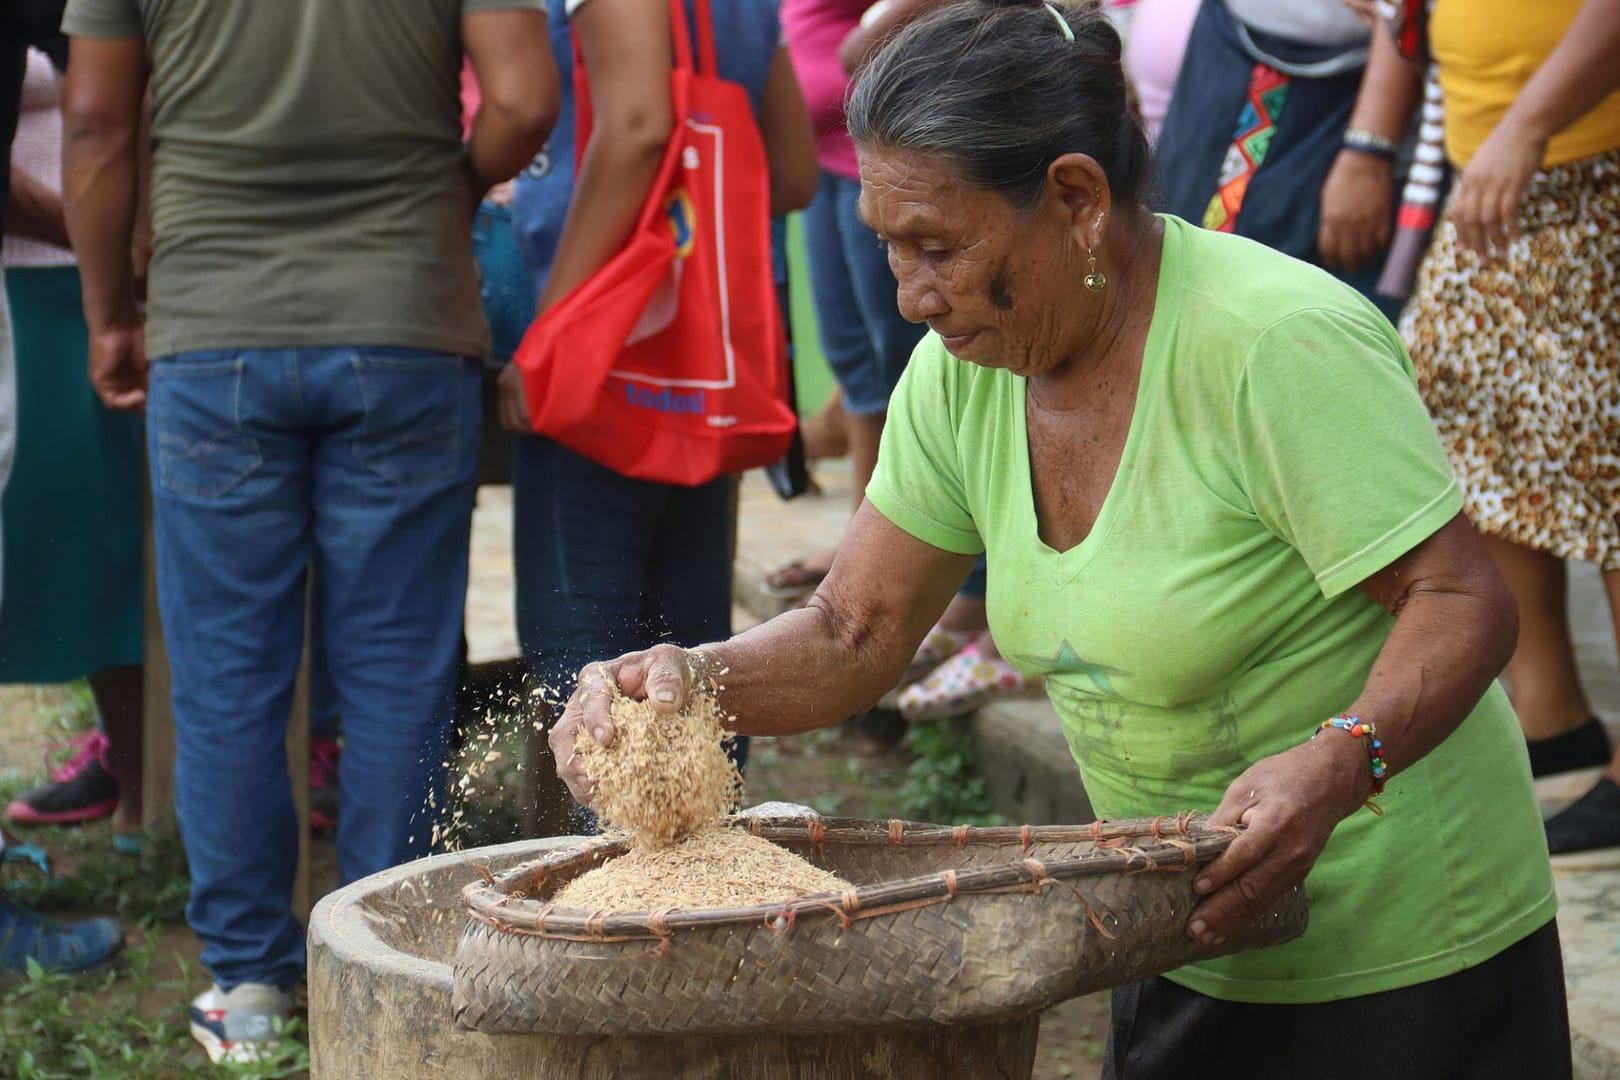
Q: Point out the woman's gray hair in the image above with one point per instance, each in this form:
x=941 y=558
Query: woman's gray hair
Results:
x=995 y=87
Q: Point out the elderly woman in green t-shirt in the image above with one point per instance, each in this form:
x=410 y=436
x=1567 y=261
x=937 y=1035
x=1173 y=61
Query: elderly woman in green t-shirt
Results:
x=1219 y=517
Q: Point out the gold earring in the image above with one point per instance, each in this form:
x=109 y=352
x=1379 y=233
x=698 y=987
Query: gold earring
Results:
x=1095 y=279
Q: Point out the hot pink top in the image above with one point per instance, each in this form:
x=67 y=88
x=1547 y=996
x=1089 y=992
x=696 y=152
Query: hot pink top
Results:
x=471 y=97
x=814 y=30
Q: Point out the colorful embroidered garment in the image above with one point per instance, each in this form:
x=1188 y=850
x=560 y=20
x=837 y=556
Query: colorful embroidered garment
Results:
x=1268 y=93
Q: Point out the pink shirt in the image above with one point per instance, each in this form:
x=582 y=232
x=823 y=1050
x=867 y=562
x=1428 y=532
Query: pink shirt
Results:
x=814 y=30
x=37 y=151
x=1154 y=48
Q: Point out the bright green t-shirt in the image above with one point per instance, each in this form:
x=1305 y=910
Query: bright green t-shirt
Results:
x=309 y=184
x=1278 y=456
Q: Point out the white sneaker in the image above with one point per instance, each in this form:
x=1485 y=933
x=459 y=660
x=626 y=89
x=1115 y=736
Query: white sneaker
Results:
x=240 y=1024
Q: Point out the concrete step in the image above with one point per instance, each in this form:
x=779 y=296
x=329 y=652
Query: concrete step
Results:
x=1020 y=751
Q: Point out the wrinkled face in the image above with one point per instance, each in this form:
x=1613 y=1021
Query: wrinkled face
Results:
x=989 y=279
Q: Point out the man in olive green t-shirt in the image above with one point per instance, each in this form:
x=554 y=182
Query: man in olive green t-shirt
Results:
x=313 y=318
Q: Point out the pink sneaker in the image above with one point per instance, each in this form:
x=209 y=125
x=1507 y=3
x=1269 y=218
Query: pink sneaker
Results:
x=324 y=751
x=82 y=788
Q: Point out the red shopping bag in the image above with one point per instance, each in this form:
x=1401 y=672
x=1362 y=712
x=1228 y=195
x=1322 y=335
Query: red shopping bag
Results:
x=670 y=362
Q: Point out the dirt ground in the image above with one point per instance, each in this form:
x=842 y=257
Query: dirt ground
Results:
x=838 y=773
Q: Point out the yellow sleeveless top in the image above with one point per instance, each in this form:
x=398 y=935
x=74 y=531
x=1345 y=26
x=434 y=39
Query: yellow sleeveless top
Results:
x=1487 y=50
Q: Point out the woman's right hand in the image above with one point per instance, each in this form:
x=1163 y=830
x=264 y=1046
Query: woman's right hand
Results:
x=1489 y=197
x=661 y=674
x=510 y=401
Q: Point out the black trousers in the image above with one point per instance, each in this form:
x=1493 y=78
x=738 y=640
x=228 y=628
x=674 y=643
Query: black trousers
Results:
x=1505 y=1018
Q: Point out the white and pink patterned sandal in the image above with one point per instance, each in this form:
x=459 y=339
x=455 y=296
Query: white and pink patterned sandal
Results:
x=963 y=683
x=939 y=646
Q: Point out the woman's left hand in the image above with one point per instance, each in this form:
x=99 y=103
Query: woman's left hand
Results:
x=1357 y=204
x=1486 y=207
x=1289 y=804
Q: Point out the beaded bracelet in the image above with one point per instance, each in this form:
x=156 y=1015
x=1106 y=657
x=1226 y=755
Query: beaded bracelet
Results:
x=1356 y=728
x=1370 y=142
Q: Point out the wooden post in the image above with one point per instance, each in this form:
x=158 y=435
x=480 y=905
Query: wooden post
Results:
x=298 y=762
x=157 y=729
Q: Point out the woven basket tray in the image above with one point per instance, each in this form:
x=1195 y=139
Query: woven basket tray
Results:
x=946 y=925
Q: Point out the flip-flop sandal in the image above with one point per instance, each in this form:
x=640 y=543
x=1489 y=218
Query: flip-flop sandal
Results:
x=962 y=684
x=792 y=580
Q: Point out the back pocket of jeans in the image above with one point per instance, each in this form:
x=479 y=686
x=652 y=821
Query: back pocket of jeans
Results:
x=416 y=414
x=196 y=416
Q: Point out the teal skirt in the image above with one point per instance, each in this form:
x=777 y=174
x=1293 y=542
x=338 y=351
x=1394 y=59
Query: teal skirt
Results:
x=71 y=596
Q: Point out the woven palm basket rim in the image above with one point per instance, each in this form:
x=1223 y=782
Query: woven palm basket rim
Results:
x=1175 y=843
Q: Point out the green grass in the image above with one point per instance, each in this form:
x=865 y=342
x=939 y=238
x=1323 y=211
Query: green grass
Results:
x=58 y=1027
x=140 y=891
x=128 y=1019
x=940 y=782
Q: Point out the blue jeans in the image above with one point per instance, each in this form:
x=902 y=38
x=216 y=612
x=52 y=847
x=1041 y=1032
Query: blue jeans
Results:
x=358 y=462
x=974 y=586
x=607 y=565
x=865 y=338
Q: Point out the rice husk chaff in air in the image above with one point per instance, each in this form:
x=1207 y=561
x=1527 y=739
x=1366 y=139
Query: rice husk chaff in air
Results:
x=667 y=784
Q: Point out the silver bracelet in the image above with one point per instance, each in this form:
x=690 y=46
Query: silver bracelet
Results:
x=1370 y=142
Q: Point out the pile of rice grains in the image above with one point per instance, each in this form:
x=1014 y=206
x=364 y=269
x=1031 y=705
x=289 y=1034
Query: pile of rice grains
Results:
x=667 y=785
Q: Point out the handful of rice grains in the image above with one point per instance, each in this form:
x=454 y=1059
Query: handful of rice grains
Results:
x=667 y=784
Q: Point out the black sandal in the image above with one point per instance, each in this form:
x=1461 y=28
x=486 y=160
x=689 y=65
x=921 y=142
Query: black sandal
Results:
x=1589 y=823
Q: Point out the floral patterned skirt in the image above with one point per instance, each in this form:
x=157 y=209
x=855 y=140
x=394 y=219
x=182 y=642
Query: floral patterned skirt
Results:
x=1519 y=363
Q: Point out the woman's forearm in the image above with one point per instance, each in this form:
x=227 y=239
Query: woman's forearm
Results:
x=805 y=669
x=1389 y=90
x=35 y=211
x=1455 y=629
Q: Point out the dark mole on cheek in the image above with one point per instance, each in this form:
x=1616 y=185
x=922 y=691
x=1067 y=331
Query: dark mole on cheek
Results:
x=999 y=295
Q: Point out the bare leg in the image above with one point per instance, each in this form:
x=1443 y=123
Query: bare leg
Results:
x=826 y=434
x=119 y=693
x=865 y=432
x=1542 y=677
x=1592 y=822
x=964 y=613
